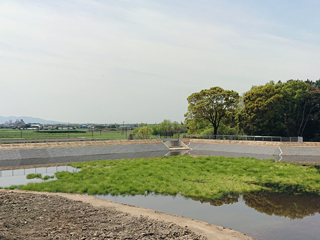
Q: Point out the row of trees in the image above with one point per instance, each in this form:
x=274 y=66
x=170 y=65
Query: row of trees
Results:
x=166 y=129
x=275 y=109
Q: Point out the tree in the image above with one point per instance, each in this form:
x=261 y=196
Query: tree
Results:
x=282 y=109
x=295 y=101
x=260 y=114
x=311 y=126
x=211 y=105
x=168 y=128
x=145 y=131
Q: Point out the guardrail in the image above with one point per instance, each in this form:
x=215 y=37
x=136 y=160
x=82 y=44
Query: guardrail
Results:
x=248 y=138
x=217 y=137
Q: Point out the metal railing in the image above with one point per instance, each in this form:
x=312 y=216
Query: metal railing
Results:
x=248 y=138
x=136 y=137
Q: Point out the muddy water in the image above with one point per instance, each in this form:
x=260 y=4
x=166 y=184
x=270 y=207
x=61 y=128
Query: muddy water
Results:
x=262 y=215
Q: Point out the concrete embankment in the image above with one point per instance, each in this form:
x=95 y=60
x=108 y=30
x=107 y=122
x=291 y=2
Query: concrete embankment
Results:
x=31 y=154
x=308 y=152
x=14 y=155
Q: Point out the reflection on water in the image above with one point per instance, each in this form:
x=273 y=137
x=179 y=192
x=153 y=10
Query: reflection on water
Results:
x=226 y=199
x=18 y=176
x=261 y=215
x=282 y=205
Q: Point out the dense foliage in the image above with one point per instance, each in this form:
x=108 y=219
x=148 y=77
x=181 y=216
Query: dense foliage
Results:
x=286 y=109
x=282 y=109
x=211 y=105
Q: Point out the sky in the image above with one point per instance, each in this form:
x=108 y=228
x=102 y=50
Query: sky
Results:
x=137 y=61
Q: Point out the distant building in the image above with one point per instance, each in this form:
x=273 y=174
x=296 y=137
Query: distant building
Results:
x=11 y=124
x=35 y=125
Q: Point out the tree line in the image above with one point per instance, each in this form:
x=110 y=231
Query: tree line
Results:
x=290 y=108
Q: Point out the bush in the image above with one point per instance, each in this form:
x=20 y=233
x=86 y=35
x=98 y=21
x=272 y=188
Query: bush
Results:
x=33 y=175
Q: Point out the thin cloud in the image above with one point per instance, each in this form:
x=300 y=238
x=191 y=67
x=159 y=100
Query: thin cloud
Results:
x=109 y=61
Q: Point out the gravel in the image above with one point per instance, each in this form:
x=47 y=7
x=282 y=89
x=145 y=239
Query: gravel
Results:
x=41 y=216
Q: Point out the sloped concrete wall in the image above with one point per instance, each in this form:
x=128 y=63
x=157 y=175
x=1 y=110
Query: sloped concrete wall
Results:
x=302 y=152
x=266 y=150
x=64 y=153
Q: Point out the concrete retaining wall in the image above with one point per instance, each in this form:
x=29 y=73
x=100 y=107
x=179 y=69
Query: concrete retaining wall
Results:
x=14 y=155
x=47 y=153
x=302 y=152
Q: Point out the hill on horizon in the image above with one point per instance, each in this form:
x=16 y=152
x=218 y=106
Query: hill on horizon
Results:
x=28 y=120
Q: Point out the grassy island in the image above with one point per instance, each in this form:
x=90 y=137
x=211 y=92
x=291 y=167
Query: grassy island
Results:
x=201 y=177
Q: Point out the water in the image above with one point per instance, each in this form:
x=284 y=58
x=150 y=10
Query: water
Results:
x=130 y=155
x=19 y=176
x=262 y=216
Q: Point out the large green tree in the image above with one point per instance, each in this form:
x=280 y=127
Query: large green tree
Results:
x=311 y=126
x=282 y=109
x=261 y=112
x=211 y=105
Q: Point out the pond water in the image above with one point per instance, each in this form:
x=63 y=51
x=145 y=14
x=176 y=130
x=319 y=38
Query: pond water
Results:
x=18 y=176
x=261 y=216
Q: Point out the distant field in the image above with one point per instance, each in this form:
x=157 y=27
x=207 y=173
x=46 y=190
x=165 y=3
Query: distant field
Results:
x=15 y=133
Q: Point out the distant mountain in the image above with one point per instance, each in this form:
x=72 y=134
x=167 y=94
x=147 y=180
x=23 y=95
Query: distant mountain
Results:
x=28 y=120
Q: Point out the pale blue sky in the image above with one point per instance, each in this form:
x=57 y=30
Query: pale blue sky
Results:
x=138 y=61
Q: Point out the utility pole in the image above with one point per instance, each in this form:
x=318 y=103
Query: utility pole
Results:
x=92 y=133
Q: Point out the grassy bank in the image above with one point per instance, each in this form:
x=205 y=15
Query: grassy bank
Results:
x=204 y=177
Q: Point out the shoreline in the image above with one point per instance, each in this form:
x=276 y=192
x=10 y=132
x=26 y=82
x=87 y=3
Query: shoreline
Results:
x=198 y=227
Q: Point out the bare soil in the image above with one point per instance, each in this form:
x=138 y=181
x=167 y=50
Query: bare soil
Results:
x=32 y=215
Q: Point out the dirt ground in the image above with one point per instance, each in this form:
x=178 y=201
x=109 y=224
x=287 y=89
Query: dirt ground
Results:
x=33 y=215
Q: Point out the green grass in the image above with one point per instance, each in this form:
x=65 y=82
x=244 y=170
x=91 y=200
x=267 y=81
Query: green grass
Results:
x=16 y=133
x=201 y=177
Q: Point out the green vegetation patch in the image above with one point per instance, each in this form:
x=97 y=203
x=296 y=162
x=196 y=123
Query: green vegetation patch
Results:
x=202 y=177
x=34 y=175
x=61 y=131
x=38 y=175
